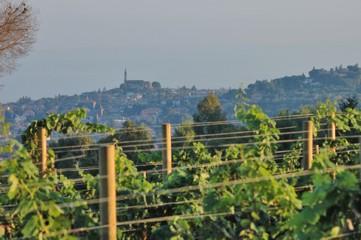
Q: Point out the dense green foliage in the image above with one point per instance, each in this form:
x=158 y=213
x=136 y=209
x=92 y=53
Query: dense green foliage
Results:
x=244 y=191
x=133 y=138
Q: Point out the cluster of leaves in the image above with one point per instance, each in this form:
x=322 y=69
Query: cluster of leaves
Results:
x=67 y=123
x=133 y=138
x=4 y=127
x=332 y=208
x=41 y=205
x=34 y=201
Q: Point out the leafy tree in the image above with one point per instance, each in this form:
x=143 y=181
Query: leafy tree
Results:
x=209 y=110
x=350 y=102
x=210 y=119
x=156 y=85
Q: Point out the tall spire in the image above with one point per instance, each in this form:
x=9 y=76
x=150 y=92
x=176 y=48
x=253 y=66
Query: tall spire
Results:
x=125 y=75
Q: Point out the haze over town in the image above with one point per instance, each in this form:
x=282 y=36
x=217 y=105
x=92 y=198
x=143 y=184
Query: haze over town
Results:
x=85 y=45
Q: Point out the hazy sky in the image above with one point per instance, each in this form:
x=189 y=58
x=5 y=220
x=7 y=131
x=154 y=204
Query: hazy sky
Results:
x=84 y=45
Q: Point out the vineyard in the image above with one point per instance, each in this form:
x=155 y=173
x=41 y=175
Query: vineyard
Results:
x=293 y=176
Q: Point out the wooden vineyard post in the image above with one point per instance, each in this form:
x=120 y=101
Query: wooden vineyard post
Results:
x=308 y=146
x=317 y=150
x=360 y=157
x=43 y=151
x=167 y=149
x=145 y=174
x=332 y=132
x=108 y=216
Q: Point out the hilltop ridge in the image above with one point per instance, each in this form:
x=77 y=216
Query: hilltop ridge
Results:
x=152 y=104
x=292 y=92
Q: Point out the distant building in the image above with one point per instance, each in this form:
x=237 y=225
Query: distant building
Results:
x=138 y=84
x=118 y=123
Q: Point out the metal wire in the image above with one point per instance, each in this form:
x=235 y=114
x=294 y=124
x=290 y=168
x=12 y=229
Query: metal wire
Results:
x=175 y=217
x=69 y=158
x=158 y=205
x=161 y=140
x=76 y=169
x=196 y=140
x=342 y=235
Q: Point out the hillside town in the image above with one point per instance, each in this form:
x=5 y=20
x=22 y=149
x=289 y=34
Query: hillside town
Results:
x=150 y=103
x=139 y=100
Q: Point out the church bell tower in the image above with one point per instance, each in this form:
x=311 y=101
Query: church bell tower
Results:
x=125 y=75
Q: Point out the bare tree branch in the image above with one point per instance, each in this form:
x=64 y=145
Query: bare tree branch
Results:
x=17 y=29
